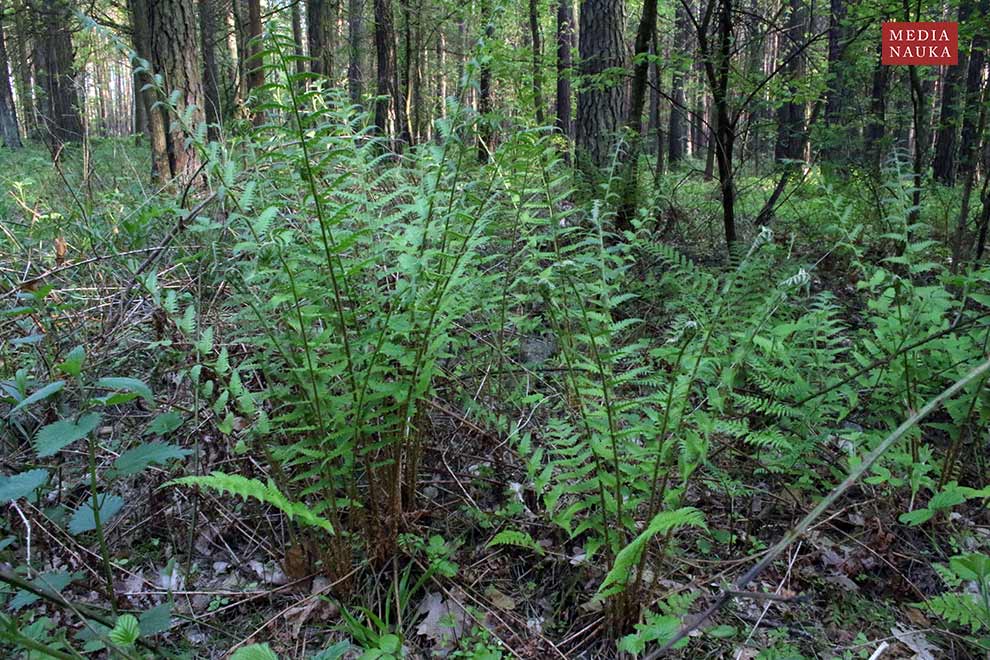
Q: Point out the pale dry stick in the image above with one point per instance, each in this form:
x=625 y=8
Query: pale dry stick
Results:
x=766 y=608
x=880 y=651
x=795 y=533
x=27 y=531
x=76 y=264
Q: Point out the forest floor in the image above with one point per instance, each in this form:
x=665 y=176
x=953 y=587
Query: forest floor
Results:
x=233 y=571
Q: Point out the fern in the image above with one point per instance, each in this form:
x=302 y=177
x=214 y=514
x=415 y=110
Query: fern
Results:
x=962 y=609
x=517 y=539
x=622 y=568
x=245 y=488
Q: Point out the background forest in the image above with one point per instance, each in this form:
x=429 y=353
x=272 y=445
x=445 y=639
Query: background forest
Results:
x=492 y=329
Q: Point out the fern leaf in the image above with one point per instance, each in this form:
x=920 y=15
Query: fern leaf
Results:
x=515 y=538
x=616 y=579
x=236 y=484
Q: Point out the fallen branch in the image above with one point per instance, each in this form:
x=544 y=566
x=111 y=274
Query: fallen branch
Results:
x=795 y=533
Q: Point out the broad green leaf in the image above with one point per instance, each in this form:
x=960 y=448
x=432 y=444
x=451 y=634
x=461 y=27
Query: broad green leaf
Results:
x=136 y=459
x=254 y=652
x=916 y=517
x=132 y=385
x=164 y=424
x=22 y=484
x=43 y=393
x=126 y=631
x=53 y=582
x=53 y=438
x=83 y=519
x=156 y=620
x=72 y=365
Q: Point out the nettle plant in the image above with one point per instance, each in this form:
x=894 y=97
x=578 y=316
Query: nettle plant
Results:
x=57 y=417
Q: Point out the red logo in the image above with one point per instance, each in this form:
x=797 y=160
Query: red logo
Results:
x=920 y=43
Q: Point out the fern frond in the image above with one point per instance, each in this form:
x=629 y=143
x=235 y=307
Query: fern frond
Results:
x=245 y=488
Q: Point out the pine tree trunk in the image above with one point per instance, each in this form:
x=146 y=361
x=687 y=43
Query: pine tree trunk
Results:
x=634 y=116
x=55 y=76
x=876 y=128
x=836 y=148
x=172 y=27
x=24 y=77
x=600 y=106
x=211 y=75
x=485 y=134
x=318 y=37
x=970 y=136
x=355 y=35
x=154 y=118
x=387 y=88
x=946 y=143
x=565 y=42
x=677 y=135
x=790 y=115
x=534 y=32
x=8 y=112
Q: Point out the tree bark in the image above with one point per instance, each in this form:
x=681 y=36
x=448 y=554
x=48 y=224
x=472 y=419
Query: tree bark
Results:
x=24 y=77
x=355 y=36
x=602 y=98
x=8 y=112
x=634 y=116
x=172 y=30
x=55 y=76
x=485 y=87
x=677 y=134
x=534 y=31
x=565 y=42
x=790 y=115
x=970 y=137
x=154 y=117
x=876 y=128
x=255 y=63
x=946 y=142
x=387 y=83
x=836 y=147
x=295 y=18
x=211 y=75
x=318 y=37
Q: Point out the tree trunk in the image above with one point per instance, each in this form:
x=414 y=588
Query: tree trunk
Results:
x=172 y=27
x=355 y=35
x=534 y=31
x=946 y=143
x=565 y=42
x=836 y=146
x=876 y=128
x=485 y=87
x=295 y=18
x=255 y=63
x=211 y=75
x=974 y=79
x=677 y=135
x=24 y=77
x=161 y=168
x=601 y=102
x=8 y=112
x=634 y=116
x=387 y=87
x=790 y=115
x=55 y=76
x=318 y=37
x=717 y=65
